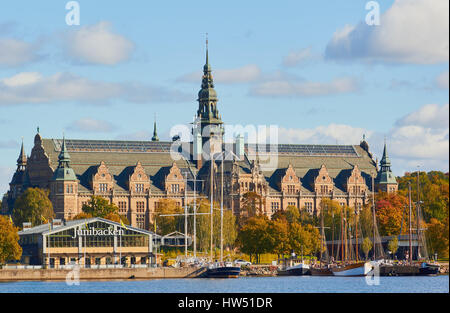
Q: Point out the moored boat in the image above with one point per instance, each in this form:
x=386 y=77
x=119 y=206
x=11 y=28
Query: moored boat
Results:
x=321 y=271
x=429 y=269
x=223 y=270
x=298 y=269
x=355 y=269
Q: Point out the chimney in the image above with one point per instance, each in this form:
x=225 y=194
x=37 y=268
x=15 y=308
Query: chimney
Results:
x=240 y=147
x=198 y=149
x=26 y=225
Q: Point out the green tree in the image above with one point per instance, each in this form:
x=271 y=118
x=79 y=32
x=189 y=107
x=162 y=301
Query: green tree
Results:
x=304 y=238
x=9 y=241
x=32 y=206
x=366 y=246
x=99 y=207
x=393 y=245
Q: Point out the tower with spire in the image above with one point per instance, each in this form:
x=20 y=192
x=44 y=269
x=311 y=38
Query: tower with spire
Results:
x=17 y=184
x=208 y=119
x=386 y=180
x=63 y=186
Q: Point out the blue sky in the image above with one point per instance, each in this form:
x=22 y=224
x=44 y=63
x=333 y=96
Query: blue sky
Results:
x=314 y=68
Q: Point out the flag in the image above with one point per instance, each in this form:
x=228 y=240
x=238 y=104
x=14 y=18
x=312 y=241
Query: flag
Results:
x=43 y=219
x=123 y=225
x=10 y=219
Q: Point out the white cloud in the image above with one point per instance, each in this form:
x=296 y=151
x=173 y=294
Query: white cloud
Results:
x=22 y=79
x=420 y=142
x=32 y=87
x=305 y=88
x=411 y=31
x=97 y=44
x=243 y=74
x=15 y=52
x=91 y=125
x=422 y=138
x=419 y=138
x=442 y=80
x=295 y=58
x=429 y=116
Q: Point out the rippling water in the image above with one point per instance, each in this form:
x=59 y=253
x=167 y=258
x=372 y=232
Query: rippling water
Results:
x=299 y=284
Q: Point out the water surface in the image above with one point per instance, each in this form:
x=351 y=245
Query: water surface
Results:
x=296 y=284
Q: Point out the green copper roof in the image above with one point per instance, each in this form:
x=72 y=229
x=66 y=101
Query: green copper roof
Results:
x=155 y=134
x=385 y=175
x=207 y=97
x=63 y=171
x=22 y=160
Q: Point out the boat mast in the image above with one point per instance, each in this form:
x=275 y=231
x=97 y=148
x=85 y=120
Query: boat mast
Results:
x=221 y=212
x=211 y=208
x=321 y=235
x=195 y=217
x=417 y=214
x=374 y=220
x=410 y=224
x=356 y=218
x=185 y=217
x=342 y=235
x=332 y=235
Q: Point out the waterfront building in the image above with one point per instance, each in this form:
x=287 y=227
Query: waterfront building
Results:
x=87 y=242
x=136 y=175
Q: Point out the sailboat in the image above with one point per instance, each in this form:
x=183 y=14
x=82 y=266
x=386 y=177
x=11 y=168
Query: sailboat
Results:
x=322 y=270
x=220 y=269
x=358 y=268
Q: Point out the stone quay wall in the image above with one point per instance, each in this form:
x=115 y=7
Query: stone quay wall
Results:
x=99 y=274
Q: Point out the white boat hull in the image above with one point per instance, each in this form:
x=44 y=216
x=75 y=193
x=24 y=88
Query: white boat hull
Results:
x=360 y=269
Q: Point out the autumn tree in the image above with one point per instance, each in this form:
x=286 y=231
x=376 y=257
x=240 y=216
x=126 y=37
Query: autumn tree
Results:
x=9 y=241
x=390 y=213
x=304 y=238
x=252 y=205
x=393 y=245
x=254 y=237
x=31 y=206
x=168 y=224
x=437 y=235
x=278 y=232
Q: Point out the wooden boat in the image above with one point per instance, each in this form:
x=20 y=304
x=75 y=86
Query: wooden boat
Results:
x=355 y=269
x=321 y=271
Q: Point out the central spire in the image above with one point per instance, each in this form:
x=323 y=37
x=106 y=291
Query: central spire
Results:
x=207 y=96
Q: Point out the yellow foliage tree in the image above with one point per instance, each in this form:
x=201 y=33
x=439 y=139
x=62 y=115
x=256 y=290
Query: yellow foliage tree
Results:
x=9 y=241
